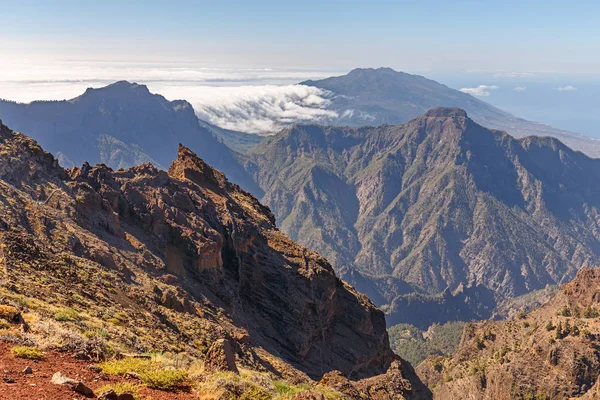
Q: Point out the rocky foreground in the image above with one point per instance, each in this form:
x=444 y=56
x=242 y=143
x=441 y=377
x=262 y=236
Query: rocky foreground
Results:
x=187 y=267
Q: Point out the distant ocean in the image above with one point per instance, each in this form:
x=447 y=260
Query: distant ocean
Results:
x=565 y=101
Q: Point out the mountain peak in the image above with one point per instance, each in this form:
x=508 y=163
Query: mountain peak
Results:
x=188 y=166
x=373 y=70
x=119 y=88
x=446 y=112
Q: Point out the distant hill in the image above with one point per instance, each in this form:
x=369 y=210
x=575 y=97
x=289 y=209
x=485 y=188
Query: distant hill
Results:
x=439 y=215
x=384 y=96
x=121 y=125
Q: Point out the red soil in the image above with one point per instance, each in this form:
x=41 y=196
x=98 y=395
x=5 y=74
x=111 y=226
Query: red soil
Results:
x=37 y=386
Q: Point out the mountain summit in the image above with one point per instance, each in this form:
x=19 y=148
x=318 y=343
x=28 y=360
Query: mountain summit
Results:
x=367 y=96
x=121 y=125
x=436 y=211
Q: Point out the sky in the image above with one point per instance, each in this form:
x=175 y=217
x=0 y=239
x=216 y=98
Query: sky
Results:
x=425 y=35
x=537 y=59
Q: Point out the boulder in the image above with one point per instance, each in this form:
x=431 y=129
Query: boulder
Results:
x=337 y=381
x=77 y=386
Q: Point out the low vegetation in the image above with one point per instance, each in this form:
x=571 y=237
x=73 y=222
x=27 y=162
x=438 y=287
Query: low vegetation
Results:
x=151 y=373
x=121 y=388
x=415 y=345
x=27 y=352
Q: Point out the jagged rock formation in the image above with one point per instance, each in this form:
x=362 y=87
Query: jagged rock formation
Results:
x=368 y=96
x=176 y=261
x=437 y=211
x=551 y=353
x=121 y=125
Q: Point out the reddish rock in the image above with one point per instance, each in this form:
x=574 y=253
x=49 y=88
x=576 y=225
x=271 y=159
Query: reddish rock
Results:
x=221 y=357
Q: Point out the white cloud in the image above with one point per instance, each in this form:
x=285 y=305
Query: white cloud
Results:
x=520 y=89
x=256 y=109
x=481 y=90
x=567 y=88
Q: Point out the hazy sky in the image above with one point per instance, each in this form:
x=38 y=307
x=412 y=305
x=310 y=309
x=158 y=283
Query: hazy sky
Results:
x=238 y=62
x=525 y=35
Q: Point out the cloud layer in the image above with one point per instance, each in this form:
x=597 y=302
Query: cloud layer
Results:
x=34 y=81
x=481 y=90
x=520 y=89
x=255 y=109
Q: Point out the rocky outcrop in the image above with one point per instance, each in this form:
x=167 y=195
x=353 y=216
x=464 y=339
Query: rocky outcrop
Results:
x=221 y=357
x=187 y=256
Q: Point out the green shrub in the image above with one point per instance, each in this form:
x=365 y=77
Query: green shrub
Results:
x=27 y=352
x=66 y=314
x=256 y=393
x=150 y=372
x=590 y=312
x=164 y=379
x=120 y=388
x=565 y=312
x=122 y=367
x=284 y=388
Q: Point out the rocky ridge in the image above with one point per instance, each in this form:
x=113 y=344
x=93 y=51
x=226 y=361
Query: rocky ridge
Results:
x=174 y=261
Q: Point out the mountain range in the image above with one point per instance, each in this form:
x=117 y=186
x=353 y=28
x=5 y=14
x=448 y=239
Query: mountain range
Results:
x=430 y=212
x=436 y=211
x=440 y=213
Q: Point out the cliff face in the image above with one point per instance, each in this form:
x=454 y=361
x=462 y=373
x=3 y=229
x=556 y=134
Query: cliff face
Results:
x=551 y=353
x=437 y=207
x=188 y=256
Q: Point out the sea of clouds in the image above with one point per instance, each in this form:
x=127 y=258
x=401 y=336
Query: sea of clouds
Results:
x=257 y=100
x=256 y=109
